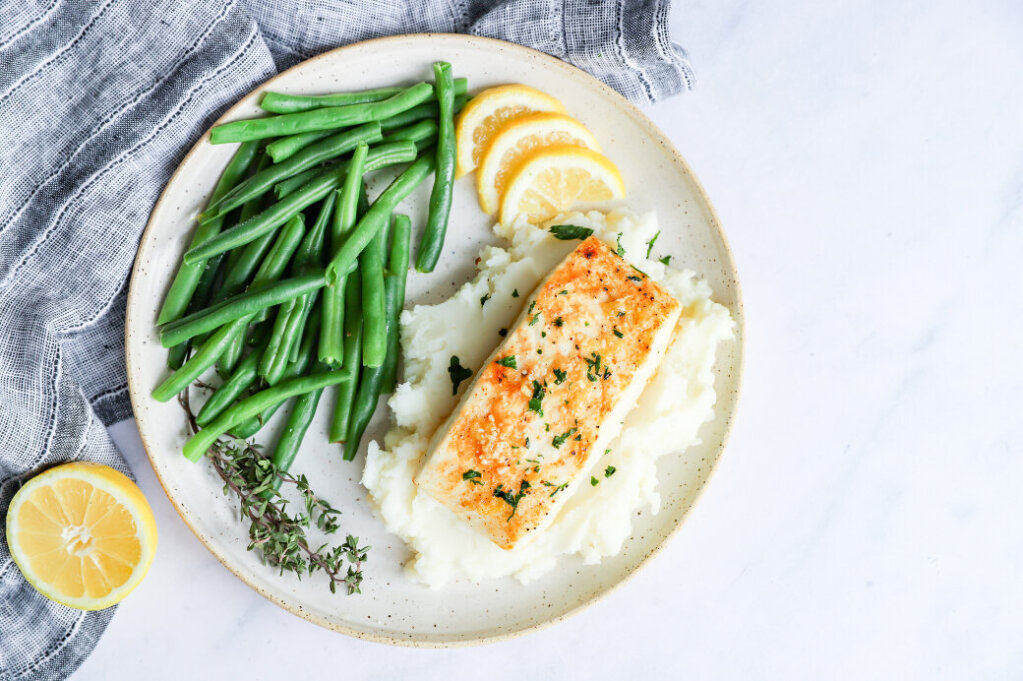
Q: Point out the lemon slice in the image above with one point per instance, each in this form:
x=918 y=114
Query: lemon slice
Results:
x=82 y=534
x=516 y=140
x=553 y=179
x=486 y=112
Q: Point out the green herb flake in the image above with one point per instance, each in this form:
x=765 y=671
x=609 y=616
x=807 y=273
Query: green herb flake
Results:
x=560 y=439
x=666 y=260
x=559 y=322
x=557 y=488
x=515 y=293
x=563 y=292
x=484 y=299
x=569 y=232
x=650 y=244
x=593 y=366
x=508 y=361
x=609 y=471
x=593 y=481
x=536 y=402
x=535 y=319
x=618 y=333
x=512 y=499
x=560 y=376
x=633 y=277
x=458 y=374
x=620 y=250
x=473 y=477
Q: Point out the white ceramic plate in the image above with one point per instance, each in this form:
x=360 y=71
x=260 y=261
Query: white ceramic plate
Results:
x=392 y=608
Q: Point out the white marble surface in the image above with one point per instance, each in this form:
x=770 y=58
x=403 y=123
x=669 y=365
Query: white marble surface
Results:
x=866 y=158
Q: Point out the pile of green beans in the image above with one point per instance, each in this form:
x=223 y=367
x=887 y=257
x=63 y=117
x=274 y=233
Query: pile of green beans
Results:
x=293 y=281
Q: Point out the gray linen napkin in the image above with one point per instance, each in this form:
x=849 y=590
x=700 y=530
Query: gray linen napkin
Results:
x=99 y=100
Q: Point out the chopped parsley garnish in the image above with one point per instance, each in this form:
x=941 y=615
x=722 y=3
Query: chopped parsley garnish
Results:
x=512 y=499
x=563 y=292
x=618 y=333
x=557 y=488
x=458 y=374
x=535 y=403
x=559 y=322
x=593 y=481
x=472 y=476
x=560 y=376
x=527 y=443
x=515 y=293
x=484 y=299
x=620 y=313
x=535 y=319
x=569 y=232
x=620 y=250
x=560 y=439
x=593 y=366
x=532 y=306
x=666 y=260
x=502 y=332
x=508 y=361
x=609 y=471
x=650 y=244
x=633 y=277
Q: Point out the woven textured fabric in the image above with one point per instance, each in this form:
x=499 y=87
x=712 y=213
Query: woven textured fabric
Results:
x=99 y=100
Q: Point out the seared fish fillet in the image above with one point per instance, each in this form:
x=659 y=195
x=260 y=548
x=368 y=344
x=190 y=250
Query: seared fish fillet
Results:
x=553 y=393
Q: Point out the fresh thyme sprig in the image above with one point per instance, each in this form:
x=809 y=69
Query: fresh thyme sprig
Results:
x=280 y=537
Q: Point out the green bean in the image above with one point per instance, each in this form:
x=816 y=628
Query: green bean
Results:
x=262 y=182
x=378 y=215
x=299 y=420
x=320 y=119
x=248 y=210
x=432 y=242
x=250 y=406
x=418 y=113
x=204 y=357
x=187 y=277
x=308 y=256
x=268 y=220
x=229 y=358
x=224 y=396
x=270 y=268
x=282 y=189
x=394 y=287
x=351 y=365
x=331 y=351
x=176 y=356
x=251 y=426
x=213 y=347
x=365 y=403
x=414 y=132
x=277 y=102
x=270 y=361
x=283 y=148
x=380 y=156
x=241 y=305
x=374 y=309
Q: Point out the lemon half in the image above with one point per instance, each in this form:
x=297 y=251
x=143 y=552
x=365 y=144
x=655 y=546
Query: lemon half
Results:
x=82 y=533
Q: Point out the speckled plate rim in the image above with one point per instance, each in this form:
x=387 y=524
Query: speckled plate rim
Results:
x=136 y=393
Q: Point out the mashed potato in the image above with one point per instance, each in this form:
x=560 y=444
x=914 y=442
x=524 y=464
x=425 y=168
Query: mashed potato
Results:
x=596 y=520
